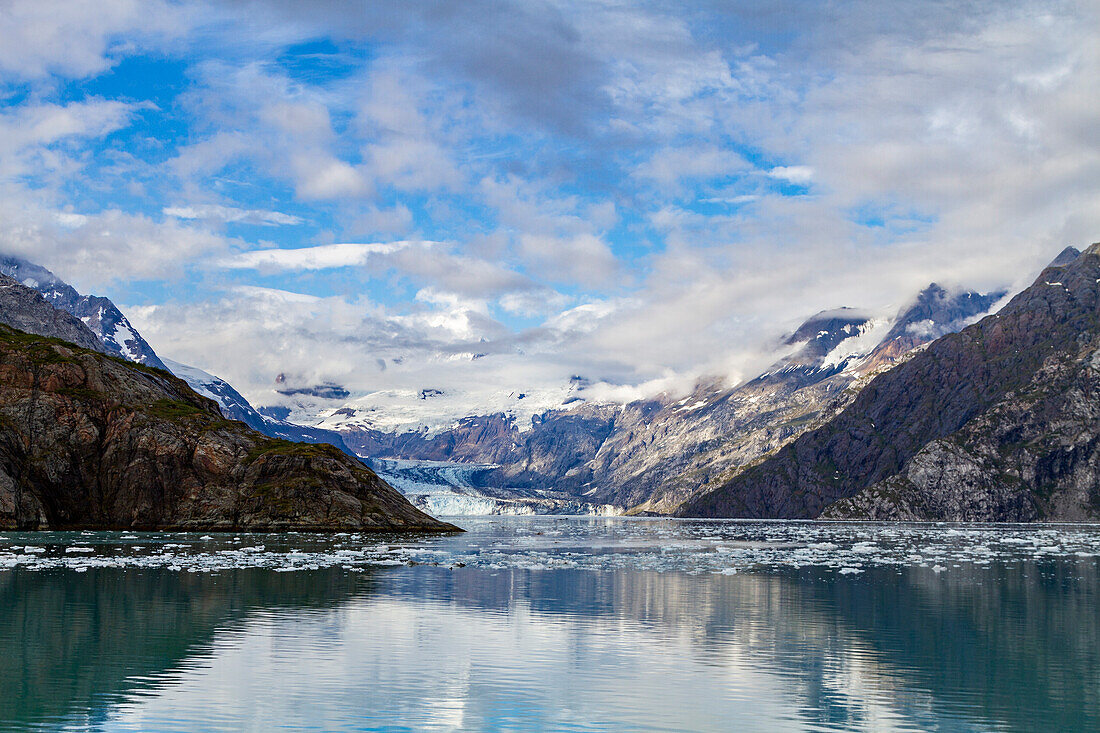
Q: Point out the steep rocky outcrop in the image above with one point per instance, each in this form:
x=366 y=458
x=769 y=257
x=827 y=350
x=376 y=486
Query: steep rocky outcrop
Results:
x=99 y=314
x=26 y=310
x=1000 y=421
x=87 y=440
x=115 y=335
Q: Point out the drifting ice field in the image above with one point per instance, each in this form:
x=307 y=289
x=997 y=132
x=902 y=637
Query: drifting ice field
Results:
x=578 y=543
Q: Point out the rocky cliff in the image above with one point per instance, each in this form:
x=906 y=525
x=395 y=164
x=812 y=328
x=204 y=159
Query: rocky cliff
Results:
x=87 y=440
x=114 y=334
x=103 y=319
x=24 y=309
x=1000 y=421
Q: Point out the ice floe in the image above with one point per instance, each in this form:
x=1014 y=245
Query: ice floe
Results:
x=580 y=543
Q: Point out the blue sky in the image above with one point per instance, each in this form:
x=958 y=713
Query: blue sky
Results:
x=374 y=193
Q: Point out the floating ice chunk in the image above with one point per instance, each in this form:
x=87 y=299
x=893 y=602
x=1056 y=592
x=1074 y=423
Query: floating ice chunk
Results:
x=848 y=570
x=73 y=550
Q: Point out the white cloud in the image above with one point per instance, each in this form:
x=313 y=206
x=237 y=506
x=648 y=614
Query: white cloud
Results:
x=321 y=257
x=448 y=269
x=797 y=174
x=557 y=238
x=581 y=258
x=78 y=38
x=406 y=150
x=412 y=164
x=275 y=295
x=109 y=247
x=232 y=214
x=543 y=302
x=671 y=166
x=29 y=133
x=319 y=176
x=372 y=220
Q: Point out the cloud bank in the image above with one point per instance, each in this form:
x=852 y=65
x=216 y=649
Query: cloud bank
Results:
x=397 y=197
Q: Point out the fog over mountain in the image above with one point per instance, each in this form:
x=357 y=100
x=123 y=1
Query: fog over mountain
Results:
x=439 y=208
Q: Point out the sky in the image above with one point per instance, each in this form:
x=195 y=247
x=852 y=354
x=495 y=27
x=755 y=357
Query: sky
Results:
x=489 y=198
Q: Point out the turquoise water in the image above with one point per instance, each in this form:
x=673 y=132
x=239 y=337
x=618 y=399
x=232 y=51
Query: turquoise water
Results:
x=556 y=624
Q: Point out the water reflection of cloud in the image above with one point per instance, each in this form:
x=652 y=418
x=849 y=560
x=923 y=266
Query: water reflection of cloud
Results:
x=430 y=664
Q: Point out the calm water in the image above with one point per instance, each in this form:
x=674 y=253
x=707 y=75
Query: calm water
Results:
x=556 y=624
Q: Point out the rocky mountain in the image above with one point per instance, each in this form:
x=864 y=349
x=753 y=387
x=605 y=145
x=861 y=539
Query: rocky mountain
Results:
x=999 y=421
x=92 y=441
x=100 y=315
x=118 y=337
x=26 y=310
x=235 y=407
x=652 y=455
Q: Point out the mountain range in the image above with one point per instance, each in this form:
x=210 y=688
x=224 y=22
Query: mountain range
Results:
x=100 y=315
x=857 y=417
x=651 y=455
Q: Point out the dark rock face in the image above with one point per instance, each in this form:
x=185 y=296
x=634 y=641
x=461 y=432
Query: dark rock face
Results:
x=100 y=315
x=1000 y=421
x=559 y=444
x=1034 y=455
x=25 y=309
x=90 y=441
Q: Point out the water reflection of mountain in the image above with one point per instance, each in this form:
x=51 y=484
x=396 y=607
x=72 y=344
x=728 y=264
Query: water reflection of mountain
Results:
x=1014 y=646
x=74 y=642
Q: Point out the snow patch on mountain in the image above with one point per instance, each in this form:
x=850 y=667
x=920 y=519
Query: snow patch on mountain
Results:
x=862 y=341
x=202 y=382
x=99 y=314
x=400 y=411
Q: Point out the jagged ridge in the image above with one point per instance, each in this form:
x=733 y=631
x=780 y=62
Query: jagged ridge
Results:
x=998 y=421
x=115 y=335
